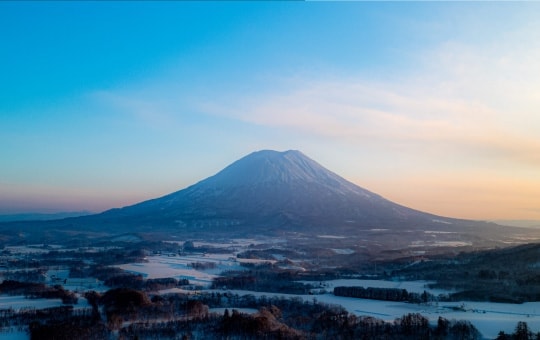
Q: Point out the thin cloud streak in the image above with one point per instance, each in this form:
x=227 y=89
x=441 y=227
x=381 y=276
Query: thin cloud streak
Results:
x=475 y=105
x=422 y=121
x=151 y=111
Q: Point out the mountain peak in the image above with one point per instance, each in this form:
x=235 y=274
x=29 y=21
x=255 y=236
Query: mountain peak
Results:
x=269 y=166
x=272 y=189
x=277 y=193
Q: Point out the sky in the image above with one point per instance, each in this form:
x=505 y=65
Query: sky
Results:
x=434 y=105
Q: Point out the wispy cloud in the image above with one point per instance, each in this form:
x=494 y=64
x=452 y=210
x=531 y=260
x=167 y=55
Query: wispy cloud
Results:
x=149 y=110
x=480 y=101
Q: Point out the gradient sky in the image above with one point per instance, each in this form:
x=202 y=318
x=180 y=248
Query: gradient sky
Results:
x=434 y=105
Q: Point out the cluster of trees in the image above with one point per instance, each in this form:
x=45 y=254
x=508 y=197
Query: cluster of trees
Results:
x=500 y=275
x=38 y=290
x=190 y=247
x=31 y=275
x=73 y=327
x=13 y=287
x=410 y=326
x=266 y=323
x=164 y=283
x=203 y=265
x=172 y=329
x=115 y=277
x=36 y=320
x=268 y=254
x=262 y=279
x=39 y=263
x=522 y=332
x=384 y=294
x=176 y=316
x=481 y=276
x=278 y=317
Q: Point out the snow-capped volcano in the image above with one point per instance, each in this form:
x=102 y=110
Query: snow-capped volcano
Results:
x=273 y=190
x=275 y=167
x=285 y=193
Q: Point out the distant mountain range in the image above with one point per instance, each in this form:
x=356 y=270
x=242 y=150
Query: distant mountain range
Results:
x=277 y=193
x=42 y=216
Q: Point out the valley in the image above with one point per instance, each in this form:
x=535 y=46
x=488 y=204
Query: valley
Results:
x=197 y=270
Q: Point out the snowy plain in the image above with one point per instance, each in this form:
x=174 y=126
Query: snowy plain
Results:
x=489 y=318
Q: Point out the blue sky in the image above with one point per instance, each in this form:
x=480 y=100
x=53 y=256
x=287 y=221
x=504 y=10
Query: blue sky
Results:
x=431 y=104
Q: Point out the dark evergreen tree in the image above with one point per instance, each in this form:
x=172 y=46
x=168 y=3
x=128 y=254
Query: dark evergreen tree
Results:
x=503 y=336
x=522 y=331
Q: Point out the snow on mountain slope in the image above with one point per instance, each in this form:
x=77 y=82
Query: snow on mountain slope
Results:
x=290 y=195
x=272 y=189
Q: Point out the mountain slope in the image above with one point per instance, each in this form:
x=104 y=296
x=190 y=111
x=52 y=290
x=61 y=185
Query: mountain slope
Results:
x=285 y=194
x=274 y=190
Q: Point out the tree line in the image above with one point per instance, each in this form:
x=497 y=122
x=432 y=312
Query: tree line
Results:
x=384 y=294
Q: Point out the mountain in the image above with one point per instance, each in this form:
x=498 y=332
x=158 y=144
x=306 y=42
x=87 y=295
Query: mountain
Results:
x=272 y=190
x=284 y=194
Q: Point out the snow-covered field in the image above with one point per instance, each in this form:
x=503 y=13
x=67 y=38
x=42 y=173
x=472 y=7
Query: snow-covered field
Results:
x=172 y=265
x=61 y=276
x=238 y=242
x=18 y=302
x=32 y=249
x=180 y=267
x=489 y=318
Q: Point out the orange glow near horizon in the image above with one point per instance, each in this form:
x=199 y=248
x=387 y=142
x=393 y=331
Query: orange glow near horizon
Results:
x=479 y=197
